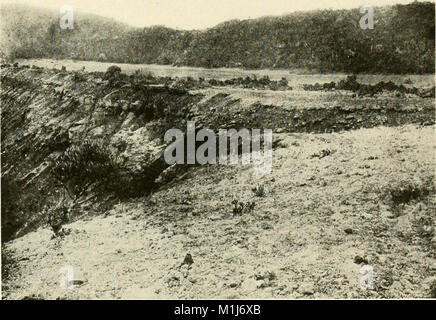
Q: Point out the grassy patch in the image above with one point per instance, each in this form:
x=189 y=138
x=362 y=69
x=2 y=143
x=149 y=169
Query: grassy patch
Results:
x=403 y=194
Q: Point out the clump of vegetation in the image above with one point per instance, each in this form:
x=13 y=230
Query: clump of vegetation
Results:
x=252 y=83
x=351 y=84
x=404 y=194
x=240 y=207
x=84 y=166
x=259 y=190
x=113 y=75
x=113 y=70
x=78 y=77
x=90 y=168
x=407 y=193
x=416 y=200
x=57 y=217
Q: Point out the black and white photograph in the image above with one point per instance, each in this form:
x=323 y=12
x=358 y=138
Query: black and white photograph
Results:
x=220 y=150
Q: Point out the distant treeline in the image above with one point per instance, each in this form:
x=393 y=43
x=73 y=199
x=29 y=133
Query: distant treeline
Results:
x=402 y=41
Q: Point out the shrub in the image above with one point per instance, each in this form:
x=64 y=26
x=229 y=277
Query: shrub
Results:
x=240 y=207
x=259 y=190
x=150 y=75
x=9 y=265
x=407 y=193
x=403 y=194
x=85 y=165
x=113 y=74
x=113 y=70
x=90 y=168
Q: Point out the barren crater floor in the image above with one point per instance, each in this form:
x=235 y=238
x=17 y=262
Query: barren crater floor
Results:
x=303 y=239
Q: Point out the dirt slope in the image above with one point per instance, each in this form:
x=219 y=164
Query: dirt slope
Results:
x=48 y=112
x=333 y=203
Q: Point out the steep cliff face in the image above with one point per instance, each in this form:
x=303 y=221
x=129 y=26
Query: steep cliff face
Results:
x=50 y=116
x=75 y=139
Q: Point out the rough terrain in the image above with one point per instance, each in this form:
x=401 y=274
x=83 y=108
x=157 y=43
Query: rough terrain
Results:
x=352 y=185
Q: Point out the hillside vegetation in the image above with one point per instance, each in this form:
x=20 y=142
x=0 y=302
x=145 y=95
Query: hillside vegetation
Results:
x=324 y=40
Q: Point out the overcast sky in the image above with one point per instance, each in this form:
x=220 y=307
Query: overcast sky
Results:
x=196 y=14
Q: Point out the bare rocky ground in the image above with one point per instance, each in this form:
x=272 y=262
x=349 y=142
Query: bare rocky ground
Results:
x=333 y=203
x=352 y=185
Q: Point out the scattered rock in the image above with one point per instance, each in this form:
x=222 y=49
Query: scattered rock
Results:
x=307 y=288
x=77 y=282
x=188 y=260
x=323 y=153
x=265 y=279
x=250 y=285
x=260 y=284
x=360 y=260
x=173 y=281
x=348 y=231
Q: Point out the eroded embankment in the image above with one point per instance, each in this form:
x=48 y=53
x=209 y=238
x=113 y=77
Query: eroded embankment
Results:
x=75 y=140
x=95 y=126
x=316 y=114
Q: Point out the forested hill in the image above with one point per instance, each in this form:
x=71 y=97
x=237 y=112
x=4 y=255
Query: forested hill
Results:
x=402 y=40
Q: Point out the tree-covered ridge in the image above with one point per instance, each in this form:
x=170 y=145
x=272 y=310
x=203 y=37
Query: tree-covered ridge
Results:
x=402 y=41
